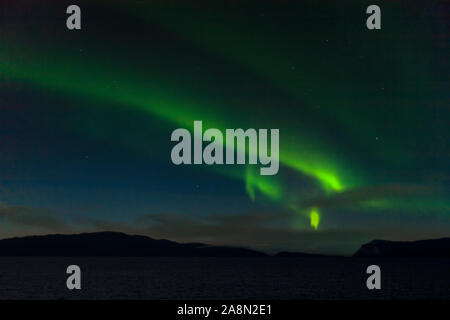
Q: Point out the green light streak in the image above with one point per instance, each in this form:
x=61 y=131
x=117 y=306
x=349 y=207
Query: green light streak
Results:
x=268 y=185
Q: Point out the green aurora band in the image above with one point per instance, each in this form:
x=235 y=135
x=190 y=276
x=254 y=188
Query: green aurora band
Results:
x=308 y=155
x=50 y=72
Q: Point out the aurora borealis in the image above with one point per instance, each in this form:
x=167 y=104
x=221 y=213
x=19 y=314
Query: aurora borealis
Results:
x=86 y=118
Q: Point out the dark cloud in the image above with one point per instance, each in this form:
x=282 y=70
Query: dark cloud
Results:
x=94 y=225
x=31 y=217
x=269 y=231
x=356 y=196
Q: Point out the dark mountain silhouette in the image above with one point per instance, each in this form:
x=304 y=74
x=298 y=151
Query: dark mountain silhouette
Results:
x=121 y=244
x=113 y=244
x=421 y=248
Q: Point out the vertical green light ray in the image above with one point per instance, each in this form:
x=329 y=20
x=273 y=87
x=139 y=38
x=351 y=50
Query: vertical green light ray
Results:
x=267 y=185
x=314 y=218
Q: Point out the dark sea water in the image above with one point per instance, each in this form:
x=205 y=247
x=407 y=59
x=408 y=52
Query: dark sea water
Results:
x=223 y=278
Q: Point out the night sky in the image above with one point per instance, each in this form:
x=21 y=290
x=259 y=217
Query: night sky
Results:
x=86 y=118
